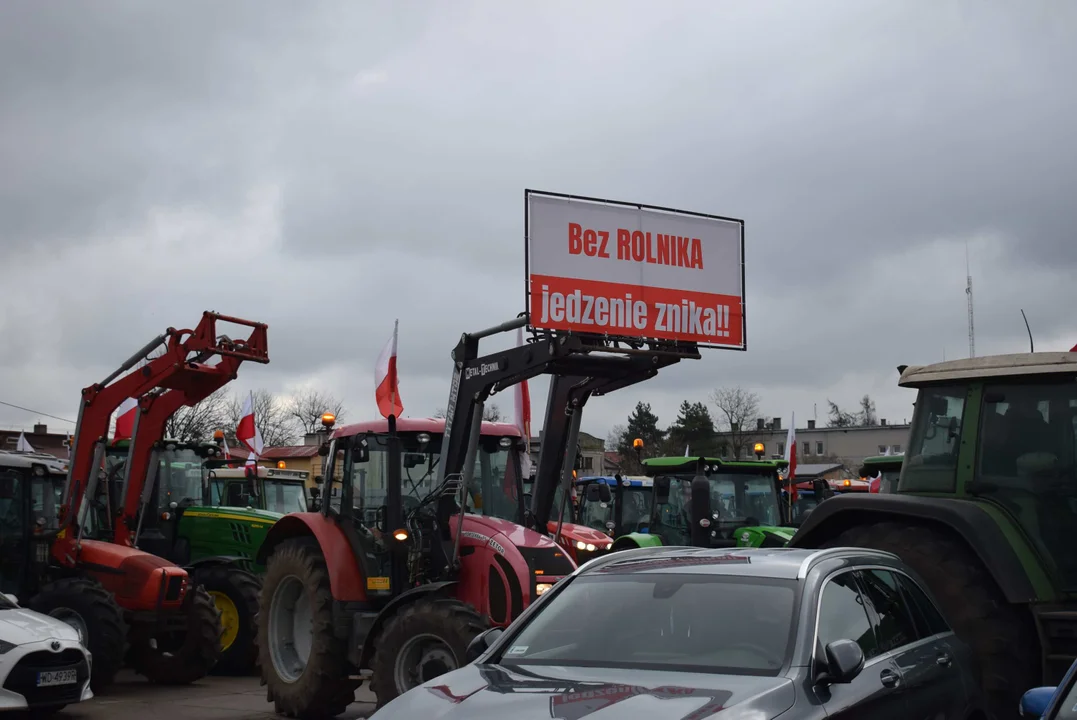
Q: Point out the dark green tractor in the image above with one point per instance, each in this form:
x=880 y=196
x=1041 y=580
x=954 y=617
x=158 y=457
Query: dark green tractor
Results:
x=984 y=511
x=886 y=468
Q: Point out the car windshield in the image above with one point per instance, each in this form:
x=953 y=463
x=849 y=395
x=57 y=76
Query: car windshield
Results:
x=284 y=497
x=662 y=621
x=494 y=489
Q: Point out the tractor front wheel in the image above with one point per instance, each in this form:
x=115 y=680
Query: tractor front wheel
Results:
x=183 y=651
x=424 y=640
x=303 y=663
x=235 y=594
x=84 y=604
x=1001 y=635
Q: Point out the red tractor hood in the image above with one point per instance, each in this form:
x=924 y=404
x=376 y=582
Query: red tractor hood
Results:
x=581 y=533
x=516 y=534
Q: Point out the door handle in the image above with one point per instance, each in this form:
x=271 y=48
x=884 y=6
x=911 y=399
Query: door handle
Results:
x=943 y=660
x=889 y=678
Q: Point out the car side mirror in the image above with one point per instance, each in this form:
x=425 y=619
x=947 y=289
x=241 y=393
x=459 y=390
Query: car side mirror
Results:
x=661 y=490
x=844 y=661
x=11 y=598
x=1034 y=702
x=481 y=643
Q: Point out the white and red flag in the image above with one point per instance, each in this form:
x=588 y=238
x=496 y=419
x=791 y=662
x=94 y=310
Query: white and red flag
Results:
x=386 y=384
x=247 y=431
x=791 y=457
x=125 y=419
x=522 y=406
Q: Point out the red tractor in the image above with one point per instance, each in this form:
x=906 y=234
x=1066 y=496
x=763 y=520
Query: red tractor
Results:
x=125 y=602
x=394 y=577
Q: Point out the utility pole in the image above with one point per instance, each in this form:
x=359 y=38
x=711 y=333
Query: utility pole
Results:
x=968 y=291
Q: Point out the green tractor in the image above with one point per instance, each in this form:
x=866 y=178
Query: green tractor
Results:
x=619 y=505
x=884 y=468
x=984 y=511
x=276 y=490
x=184 y=522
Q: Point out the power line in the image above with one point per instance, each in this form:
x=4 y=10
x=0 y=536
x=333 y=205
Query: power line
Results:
x=35 y=412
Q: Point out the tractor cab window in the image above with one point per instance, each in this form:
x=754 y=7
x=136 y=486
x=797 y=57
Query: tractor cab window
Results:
x=594 y=514
x=12 y=516
x=635 y=508
x=494 y=489
x=284 y=497
x=671 y=520
x=931 y=462
x=1027 y=462
x=744 y=499
x=179 y=478
x=806 y=502
x=46 y=493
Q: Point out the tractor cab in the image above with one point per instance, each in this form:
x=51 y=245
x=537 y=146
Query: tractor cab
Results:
x=624 y=507
x=276 y=490
x=31 y=486
x=882 y=473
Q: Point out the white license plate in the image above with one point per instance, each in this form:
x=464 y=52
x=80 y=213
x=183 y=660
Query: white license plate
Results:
x=48 y=678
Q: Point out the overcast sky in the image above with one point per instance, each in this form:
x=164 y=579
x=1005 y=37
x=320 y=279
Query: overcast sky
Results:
x=326 y=167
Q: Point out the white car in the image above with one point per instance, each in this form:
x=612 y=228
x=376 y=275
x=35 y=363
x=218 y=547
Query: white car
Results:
x=43 y=666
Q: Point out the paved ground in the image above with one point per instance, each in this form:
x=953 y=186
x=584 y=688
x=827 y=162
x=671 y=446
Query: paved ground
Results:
x=213 y=698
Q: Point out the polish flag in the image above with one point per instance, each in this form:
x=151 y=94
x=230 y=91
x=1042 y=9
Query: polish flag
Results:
x=386 y=384
x=23 y=445
x=791 y=457
x=227 y=450
x=125 y=419
x=247 y=431
x=522 y=406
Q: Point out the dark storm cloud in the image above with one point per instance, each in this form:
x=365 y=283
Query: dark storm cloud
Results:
x=327 y=167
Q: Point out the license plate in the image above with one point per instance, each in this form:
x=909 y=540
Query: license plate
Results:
x=48 y=678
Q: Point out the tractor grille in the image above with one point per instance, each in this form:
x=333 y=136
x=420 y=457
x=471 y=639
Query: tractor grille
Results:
x=174 y=589
x=241 y=533
x=23 y=677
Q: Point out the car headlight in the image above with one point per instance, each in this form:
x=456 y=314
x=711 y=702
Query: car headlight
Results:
x=5 y=646
x=541 y=588
x=581 y=545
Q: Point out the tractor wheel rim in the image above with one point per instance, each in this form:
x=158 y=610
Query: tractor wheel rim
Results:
x=291 y=629
x=422 y=658
x=72 y=618
x=229 y=618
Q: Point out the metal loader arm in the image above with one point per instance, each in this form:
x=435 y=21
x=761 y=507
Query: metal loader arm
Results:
x=179 y=368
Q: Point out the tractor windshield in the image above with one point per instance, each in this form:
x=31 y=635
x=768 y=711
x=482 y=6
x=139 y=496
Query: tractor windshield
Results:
x=635 y=510
x=744 y=499
x=1027 y=462
x=180 y=477
x=495 y=489
x=284 y=497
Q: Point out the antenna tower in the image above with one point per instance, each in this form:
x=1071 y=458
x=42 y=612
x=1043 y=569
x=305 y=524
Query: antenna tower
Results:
x=968 y=291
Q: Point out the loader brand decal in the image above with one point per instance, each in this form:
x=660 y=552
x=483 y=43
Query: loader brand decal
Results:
x=498 y=547
x=630 y=270
x=576 y=705
x=377 y=583
x=481 y=370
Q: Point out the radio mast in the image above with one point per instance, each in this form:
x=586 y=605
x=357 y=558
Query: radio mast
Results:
x=968 y=291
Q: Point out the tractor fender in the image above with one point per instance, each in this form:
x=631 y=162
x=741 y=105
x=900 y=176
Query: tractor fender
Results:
x=636 y=540
x=345 y=579
x=967 y=520
x=395 y=605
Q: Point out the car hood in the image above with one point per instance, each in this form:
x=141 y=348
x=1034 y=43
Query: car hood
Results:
x=532 y=692
x=19 y=626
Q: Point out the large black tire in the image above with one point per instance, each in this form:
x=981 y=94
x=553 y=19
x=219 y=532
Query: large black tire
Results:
x=1003 y=636
x=88 y=602
x=401 y=662
x=181 y=657
x=239 y=591
x=321 y=688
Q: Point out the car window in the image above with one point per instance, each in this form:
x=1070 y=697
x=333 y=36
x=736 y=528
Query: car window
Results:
x=927 y=615
x=894 y=626
x=1067 y=707
x=662 y=621
x=842 y=615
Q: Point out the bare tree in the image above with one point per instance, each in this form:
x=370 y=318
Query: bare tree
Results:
x=613 y=440
x=271 y=415
x=737 y=410
x=197 y=422
x=439 y=413
x=492 y=413
x=867 y=411
x=306 y=408
x=836 y=417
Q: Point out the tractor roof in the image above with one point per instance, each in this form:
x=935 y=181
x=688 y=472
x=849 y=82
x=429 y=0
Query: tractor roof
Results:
x=990 y=366
x=885 y=461
x=25 y=460
x=688 y=464
x=427 y=425
x=263 y=472
x=633 y=480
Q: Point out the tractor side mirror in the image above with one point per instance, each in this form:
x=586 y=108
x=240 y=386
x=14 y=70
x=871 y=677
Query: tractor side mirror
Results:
x=661 y=490
x=411 y=460
x=701 y=511
x=361 y=452
x=481 y=643
x=604 y=493
x=822 y=489
x=592 y=493
x=315 y=493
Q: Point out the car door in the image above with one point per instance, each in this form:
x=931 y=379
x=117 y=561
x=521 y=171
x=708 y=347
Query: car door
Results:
x=933 y=685
x=877 y=693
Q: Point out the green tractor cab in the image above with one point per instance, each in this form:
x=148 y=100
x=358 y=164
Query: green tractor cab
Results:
x=984 y=511
x=276 y=490
x=884 y=468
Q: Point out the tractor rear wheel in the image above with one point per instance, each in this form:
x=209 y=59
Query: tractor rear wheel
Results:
x=303 y=663
x=186 y=650
x=234 y=592
x=85 y=605
x=1001 y=635
x=424 y=640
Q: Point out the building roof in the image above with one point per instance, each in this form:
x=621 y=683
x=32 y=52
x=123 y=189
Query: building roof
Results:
x=1042 y=363
x=816 y=469
x=429 y=425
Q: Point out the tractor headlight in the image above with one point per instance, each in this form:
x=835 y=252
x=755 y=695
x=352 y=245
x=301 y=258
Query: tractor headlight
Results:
x=581 y=545
x=590 y=547
x=541 y=588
